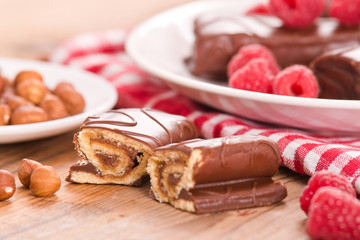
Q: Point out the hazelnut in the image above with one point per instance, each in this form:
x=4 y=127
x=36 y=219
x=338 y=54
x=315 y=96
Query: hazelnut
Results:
x=25 y=75
x=73 y=100
x=4 y=82
x=53 y=106
x=5 y=113
x=13 y=100
x=7 y=185
x=28 y=114
x=44 y=181
x=26 y=168
x=32 y=90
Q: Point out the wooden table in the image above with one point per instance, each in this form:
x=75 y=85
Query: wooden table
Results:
x=31 y=29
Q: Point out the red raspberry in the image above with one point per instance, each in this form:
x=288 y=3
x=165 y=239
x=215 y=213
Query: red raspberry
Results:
x=346 y=11
x=259 y=9
x=254 y=76
x=323 y=179
x=297 y=13
x=296 y=80
x=333 y=214
x=249 y=52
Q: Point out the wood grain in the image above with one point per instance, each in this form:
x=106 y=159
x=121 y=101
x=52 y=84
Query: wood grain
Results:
x=31 y=29
x=80 y=211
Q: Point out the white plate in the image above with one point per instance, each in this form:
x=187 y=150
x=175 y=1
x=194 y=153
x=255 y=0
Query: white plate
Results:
x=160 y=44
x=99 y=96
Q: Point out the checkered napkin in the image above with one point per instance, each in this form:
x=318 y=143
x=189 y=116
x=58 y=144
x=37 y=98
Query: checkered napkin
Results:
x=104 y=53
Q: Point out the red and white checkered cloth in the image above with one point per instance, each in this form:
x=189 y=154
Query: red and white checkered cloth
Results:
x=303 y=152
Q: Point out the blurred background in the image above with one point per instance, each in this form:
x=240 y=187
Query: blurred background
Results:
x=32 y=29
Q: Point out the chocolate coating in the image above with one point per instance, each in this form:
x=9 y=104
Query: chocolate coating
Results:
x=116 y=145
x=338 y=73
x=245 y=193
x=152 y=127
x=218 y=36
x=228 y=158
x=217 y=174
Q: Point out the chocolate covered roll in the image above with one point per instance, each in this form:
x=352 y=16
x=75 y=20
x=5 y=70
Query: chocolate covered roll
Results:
x=219 y=174
x=116 y=145
x=218 y=36
x=338 y=73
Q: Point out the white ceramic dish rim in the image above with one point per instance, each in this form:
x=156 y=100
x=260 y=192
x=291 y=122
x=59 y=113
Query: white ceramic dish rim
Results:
x=169 y=76
x=25 y=132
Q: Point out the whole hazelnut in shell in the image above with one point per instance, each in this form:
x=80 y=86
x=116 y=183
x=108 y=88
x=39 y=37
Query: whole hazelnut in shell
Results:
x=32 y=90
x=73 y=100
x=26 y=168
x=25 y=75
x=28 y=114
x=53 y=106
x=14 y=101
x=5 y=113
x=44 y=181
x=4 y=82
x=7 y=185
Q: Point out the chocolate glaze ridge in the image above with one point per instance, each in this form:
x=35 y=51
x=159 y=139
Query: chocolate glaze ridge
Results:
x=338 y=73
x=152 y=127
x=218 y=36
x=253 y=192
x=229 y=158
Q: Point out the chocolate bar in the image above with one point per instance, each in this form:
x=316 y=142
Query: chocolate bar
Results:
x=338 y=73
x=218 y=36
x=116 y=145
x=218 y=174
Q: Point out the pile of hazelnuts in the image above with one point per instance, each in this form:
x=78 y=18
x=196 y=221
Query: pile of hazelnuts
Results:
x=26 y=99
x=41 y=179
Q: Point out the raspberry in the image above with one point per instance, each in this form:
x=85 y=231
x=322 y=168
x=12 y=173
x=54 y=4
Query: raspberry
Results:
x=259 y=9
x=297 y=13
x=333 y=214
x=296 y=80
x=249 y=52
x=346 y=11
x=254 y=76
x=323 y=179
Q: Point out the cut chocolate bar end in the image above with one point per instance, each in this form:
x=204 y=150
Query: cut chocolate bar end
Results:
x=214 y=175
x=338 y=73
x=115 y=146
x=111 y=158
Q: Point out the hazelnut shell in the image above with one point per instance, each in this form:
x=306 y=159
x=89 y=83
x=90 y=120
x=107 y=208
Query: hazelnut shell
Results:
x=7 y=185
x=26 y=168
x=44 y=181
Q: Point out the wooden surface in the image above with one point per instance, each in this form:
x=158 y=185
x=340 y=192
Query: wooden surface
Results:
x=31 y=29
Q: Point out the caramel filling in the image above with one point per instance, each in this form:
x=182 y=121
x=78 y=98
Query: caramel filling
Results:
x=170 y=176
x=170 y=172
x=110 y=158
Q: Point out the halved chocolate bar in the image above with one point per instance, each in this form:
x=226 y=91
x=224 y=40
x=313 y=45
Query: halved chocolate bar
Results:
x=338 y=73
x=219 y=174
x=219 y=35
x=116 y=145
